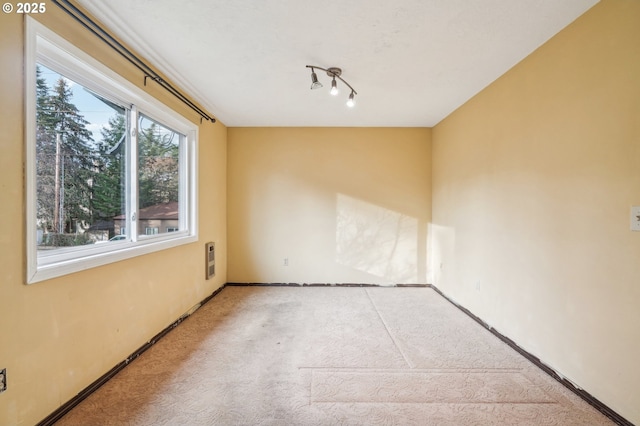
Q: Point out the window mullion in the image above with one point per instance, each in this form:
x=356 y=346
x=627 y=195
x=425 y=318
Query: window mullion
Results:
x=184 y=185
x=132 y=175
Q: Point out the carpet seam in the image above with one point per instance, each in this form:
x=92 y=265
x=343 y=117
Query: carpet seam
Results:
x=386 y=327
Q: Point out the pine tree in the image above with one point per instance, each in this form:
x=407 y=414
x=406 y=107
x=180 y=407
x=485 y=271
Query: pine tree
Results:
x=158 y=158
x=65 y=162
x=108 y=186
x=45 y=155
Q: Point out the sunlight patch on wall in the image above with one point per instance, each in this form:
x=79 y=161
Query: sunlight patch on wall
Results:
x=376 y=240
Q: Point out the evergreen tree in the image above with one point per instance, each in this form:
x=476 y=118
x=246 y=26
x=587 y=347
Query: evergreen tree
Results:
x=63 y=138
x=108 y=186
x=45 y=155
x=158 y=158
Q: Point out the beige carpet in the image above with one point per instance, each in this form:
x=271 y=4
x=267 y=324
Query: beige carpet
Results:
x=331 y=356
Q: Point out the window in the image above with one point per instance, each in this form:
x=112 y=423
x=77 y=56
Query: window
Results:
x=106 y=163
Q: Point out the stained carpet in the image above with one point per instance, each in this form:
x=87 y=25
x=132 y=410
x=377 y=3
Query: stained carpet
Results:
x=331 y=356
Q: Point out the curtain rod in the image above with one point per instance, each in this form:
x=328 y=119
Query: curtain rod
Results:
x=148 y=72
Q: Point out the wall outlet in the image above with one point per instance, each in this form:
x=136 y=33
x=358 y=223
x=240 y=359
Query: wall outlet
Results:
x=478 y=285
x=3 y=380
x=285 y=262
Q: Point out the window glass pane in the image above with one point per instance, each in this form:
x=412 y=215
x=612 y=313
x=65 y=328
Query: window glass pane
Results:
x=158 y=177
x=80 y=158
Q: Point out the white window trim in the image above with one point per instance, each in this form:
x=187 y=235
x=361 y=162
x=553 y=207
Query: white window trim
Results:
x=44 y=46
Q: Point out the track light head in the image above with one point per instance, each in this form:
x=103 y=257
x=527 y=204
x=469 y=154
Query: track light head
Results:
x=315 y=84
x=351 y=102
x=334 y=87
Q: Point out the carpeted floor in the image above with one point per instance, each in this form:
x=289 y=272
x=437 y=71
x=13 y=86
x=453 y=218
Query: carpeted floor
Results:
x=331 y=356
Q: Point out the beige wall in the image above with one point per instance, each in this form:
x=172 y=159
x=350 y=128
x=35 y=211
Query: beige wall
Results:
x=343 y=205
x=58 y=336
x=533 y=180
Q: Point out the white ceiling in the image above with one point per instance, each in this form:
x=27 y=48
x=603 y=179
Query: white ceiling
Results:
x=412 y=62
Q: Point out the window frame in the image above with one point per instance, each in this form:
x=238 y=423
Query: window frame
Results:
x=44 y=46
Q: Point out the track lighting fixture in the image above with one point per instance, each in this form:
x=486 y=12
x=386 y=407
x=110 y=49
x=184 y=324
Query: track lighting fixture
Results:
x=334 y=73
